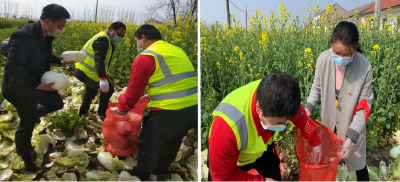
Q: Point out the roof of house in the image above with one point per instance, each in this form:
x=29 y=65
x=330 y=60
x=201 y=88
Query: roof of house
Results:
x=385 y=4
x=323 y=11
x=360 y=9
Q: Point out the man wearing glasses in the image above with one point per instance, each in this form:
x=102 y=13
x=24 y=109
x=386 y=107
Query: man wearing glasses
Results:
x=93 y=70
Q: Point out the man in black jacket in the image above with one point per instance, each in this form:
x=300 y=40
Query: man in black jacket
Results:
x=93 y=70
x=29 y=57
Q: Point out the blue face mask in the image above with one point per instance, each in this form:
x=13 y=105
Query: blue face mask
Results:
x=116 y=38
x=139 y=50
x=341 y=61
x=273 y=127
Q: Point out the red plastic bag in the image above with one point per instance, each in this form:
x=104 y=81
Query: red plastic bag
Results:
x=121 y=132
x=326 y=169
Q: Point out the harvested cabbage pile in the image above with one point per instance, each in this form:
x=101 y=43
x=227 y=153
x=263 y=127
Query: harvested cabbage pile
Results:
x=67 y=147
x=73 y=56
x=61 y=80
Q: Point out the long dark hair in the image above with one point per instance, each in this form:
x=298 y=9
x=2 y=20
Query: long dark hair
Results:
x=346 y=33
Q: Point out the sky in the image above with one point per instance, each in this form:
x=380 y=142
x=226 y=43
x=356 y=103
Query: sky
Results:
x=140 y=6
x=215 y=10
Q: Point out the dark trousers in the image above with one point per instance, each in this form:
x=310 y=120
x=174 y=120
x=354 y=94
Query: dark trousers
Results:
x=92 y=88
x=36 y=104
x=160 y=139
x=267 y=165
x=90 y=94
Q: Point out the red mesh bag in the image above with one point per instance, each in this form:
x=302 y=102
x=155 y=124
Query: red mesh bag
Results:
x=326 y=169
x=121 y=132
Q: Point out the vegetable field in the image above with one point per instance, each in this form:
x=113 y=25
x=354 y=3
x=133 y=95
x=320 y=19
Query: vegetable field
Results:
x=232 y=57
x=67 y=147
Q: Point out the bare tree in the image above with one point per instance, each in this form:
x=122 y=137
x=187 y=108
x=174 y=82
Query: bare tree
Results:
x=168 y=8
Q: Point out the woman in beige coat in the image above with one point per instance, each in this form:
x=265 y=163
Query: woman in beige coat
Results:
x=342 y=81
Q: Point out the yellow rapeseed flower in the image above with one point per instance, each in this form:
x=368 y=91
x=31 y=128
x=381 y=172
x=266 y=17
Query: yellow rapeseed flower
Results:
x=398 y=67
x=219 y=65
x=376 y=47
x=237 y=48
x=373 y=53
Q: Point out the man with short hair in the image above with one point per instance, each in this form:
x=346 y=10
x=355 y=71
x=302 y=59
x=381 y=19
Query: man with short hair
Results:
x=29 y=57
x=248 y=120
x=93 y=70
x=172 y=90
x=4 y=44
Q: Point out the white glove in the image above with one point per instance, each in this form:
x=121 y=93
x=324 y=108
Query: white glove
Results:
x=104 y=86
x=308 y=113
x=345 y=150
x=316 y=154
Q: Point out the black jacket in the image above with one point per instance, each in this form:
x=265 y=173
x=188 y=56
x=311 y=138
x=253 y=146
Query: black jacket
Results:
x=24 y=65
x=100 y=47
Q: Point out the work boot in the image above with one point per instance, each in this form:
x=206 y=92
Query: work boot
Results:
x=102 y=116
x=30 y=166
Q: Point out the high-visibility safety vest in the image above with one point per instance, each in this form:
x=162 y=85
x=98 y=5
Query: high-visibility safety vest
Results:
x=173 y=85
x=88 y=65
x=235 y=109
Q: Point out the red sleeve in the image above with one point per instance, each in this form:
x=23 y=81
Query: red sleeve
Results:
x=223 y=155
x=142 y=69
x=307 y=126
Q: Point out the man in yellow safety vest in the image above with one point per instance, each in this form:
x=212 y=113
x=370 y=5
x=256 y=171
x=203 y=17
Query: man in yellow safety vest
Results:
x=172 y=88
x=93 y=70
x=245 y=124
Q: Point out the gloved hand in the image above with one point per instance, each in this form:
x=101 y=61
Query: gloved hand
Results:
x=345 y=150
x=308 y=113
x=104 y=86
x=316 y=154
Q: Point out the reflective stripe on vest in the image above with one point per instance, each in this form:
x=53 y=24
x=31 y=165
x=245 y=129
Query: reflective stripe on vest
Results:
x=169 y=78
x=85 y=50
x=235 y=115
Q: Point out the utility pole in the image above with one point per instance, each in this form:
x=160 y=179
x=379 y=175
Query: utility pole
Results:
x=378 y=13
x=228 y=14
x=246 y=18
x=95 y=17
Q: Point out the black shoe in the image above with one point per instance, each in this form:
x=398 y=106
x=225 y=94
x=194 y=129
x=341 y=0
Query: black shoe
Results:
x=30 y=166
x=102 y=116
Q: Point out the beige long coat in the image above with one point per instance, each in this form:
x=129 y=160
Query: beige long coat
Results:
x=356 y=87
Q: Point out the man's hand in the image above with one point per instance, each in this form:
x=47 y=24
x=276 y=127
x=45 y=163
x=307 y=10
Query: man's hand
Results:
x=316 y=154
x=308 y=113
x=269 y=179
x=64 y=63
x=120 y=113
x=345 y=150
x=46 y=86
x=145 y=97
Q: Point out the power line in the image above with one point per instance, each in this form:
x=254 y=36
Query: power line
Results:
x=303 y=8
x=236 y=6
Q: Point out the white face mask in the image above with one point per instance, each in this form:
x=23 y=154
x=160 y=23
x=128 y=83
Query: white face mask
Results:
x=56 y=32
